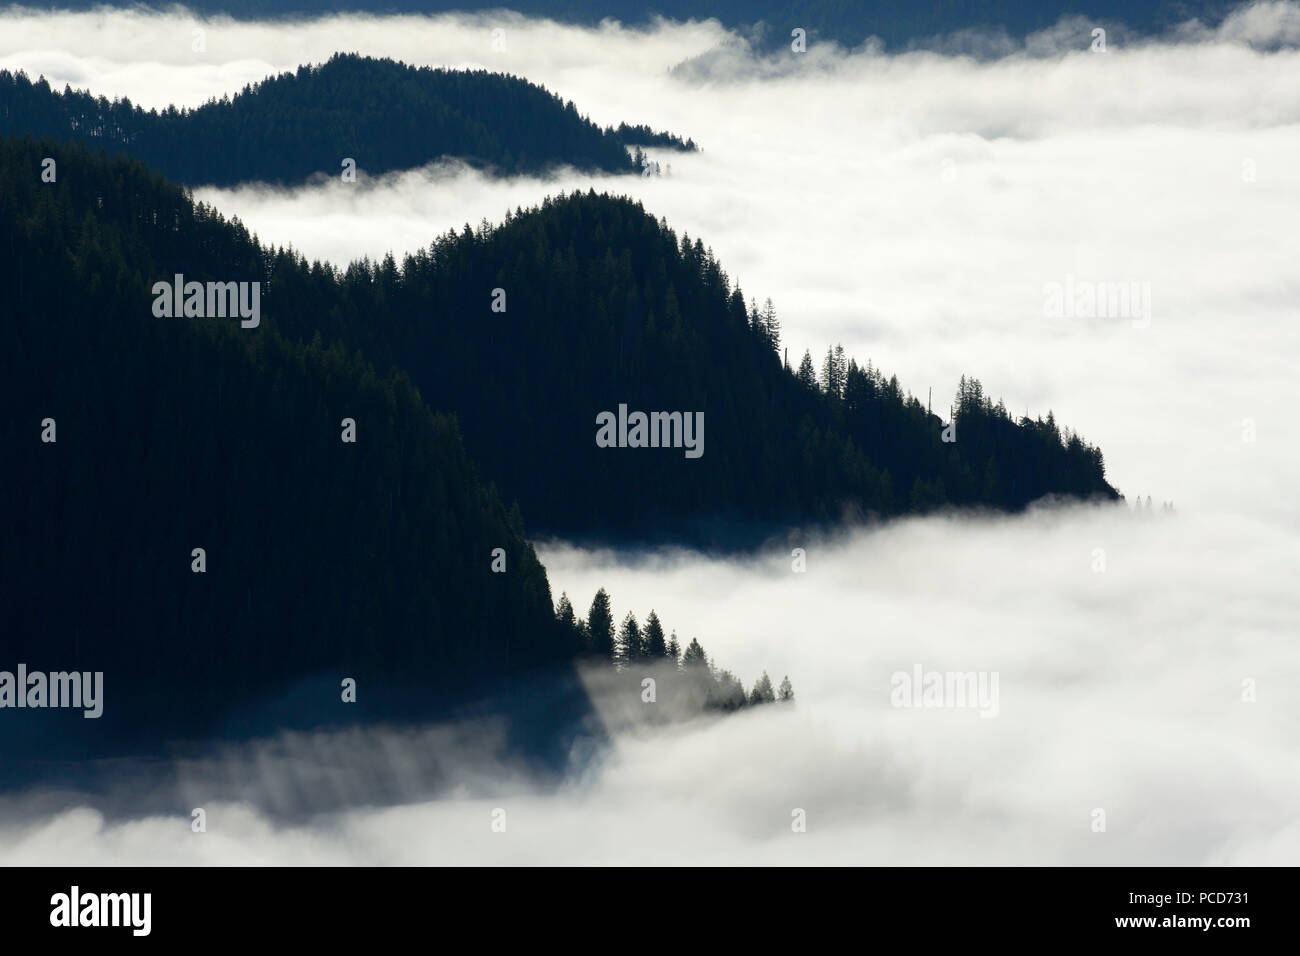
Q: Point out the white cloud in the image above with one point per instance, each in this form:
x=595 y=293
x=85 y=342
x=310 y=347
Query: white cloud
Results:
x=824 y=187
x=1119 y=690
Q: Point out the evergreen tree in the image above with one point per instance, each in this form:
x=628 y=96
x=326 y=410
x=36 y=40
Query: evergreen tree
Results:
x=674 y=650
x=834 y=371
x=762 y=692
x=564 y=613
x=830 y=380
x=771 y=326
x=806 y=375
x=600 y=626
x=726 y=692
x=571 y=629
x=695 y=656
x=653 y=637
x=629 y=640
x=787 y=690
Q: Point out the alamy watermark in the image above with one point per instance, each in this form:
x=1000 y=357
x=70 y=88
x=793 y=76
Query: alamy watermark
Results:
x=75 y=908
x=213 y=300
x=920 y=688
x=1086 y=299
x=58 y=689
x=653 y=430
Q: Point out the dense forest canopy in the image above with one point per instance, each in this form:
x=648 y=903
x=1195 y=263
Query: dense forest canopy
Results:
x=233 y=555
x=608 y=306
x=529 y=330
x=380 y=114
x=605 y=306
x=184 y=510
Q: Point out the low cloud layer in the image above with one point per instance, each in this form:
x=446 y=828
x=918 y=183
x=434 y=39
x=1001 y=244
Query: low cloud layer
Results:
x=917 y=208
x=1119 y=690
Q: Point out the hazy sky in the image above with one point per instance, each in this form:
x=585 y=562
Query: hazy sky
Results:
x=914 y=208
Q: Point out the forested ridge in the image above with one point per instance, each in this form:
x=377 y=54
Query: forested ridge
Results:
x=381 y=114
x=131 y=441
x=604 y=305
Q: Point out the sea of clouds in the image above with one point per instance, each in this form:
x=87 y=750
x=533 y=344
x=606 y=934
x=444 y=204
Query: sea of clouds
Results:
x=915 y=207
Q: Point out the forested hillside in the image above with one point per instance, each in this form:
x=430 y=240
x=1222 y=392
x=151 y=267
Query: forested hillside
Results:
x=607 y=306
x=182 y=512
x=601 y=306
x=381 y=114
